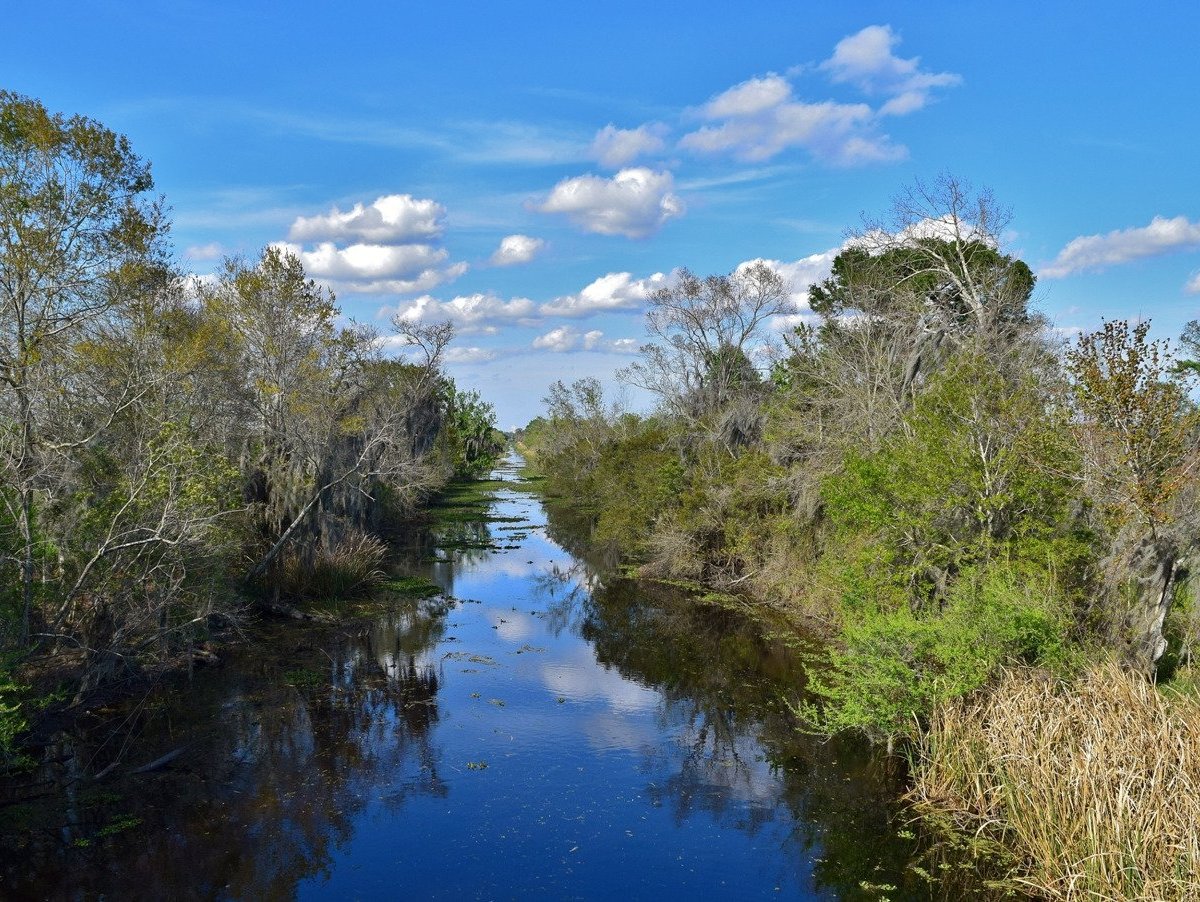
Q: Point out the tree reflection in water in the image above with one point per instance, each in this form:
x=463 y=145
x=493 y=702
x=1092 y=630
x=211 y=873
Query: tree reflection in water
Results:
x=286 y=751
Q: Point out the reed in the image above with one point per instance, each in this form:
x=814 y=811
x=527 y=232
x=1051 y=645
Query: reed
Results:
x=350 y=568
x=1093 y=784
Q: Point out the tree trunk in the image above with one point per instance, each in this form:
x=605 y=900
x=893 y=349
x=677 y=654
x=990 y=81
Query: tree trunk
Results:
x=1155 y=585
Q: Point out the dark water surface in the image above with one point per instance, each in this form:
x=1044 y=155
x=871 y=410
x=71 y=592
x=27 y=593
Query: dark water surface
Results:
x=540 y=731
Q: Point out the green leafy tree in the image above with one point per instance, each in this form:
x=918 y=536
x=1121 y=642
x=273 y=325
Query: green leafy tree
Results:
x=77 y=223
x=1137 y=428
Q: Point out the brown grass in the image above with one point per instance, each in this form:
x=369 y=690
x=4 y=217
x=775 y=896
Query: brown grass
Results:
x=1095 y=785
x=350 y=568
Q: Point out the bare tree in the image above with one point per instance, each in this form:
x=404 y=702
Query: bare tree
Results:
x=701 y=364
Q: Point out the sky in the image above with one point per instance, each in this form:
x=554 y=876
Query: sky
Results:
x=534 y=171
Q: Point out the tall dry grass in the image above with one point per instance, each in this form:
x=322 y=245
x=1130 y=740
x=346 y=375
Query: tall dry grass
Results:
x=1094 y=785
x=351 y=567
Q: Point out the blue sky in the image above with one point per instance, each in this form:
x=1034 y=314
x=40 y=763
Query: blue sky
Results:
x=396 y=146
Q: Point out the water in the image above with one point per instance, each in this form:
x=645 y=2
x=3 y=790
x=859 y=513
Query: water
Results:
x=548 y=732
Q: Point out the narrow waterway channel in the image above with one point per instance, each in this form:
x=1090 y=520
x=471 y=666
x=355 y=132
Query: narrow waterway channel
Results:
x=537 y=729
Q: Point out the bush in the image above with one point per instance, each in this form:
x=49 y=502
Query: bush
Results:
x=893 y=669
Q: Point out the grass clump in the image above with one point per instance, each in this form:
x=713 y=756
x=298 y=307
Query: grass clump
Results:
x=348 y=568
x=1094 y=783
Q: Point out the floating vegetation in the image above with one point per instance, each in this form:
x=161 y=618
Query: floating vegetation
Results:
x=470 y=658
x=413 y=586
x=477 y=765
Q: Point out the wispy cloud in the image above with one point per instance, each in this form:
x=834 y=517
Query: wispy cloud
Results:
x=1093 y=252
x=616 y=147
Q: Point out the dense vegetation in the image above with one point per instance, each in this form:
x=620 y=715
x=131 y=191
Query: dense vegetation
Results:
x=965 y=506
x=172 y=448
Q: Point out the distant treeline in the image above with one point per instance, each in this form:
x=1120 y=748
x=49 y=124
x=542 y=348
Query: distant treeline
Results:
x=170 y=447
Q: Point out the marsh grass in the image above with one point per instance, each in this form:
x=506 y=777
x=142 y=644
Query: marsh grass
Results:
x=1093 y=784
x=351 y=568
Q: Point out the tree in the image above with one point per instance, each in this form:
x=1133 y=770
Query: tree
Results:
x=1137 y=429
x=77 y=224
x=700 y=367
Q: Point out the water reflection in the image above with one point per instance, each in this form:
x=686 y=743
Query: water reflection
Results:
x=546 y=733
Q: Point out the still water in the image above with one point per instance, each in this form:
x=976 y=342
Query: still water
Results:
x=540 y=730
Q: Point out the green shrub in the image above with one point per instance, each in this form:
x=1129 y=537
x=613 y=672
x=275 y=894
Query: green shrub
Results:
x=893 y=668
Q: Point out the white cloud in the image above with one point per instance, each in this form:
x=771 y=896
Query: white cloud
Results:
x=390 y=246
x=564 y=338
x=615 y=147
x=568 y=338
x=1161 y=236
x=210 y=251
x=624 y=345
x=801 y=275
x=634 y=203
x=615 y=291
x=391 y=219
x=376 y=268
x=758 y=120
x=516 y=249
x=866 y=61
x=468 y=313
x=469 y=355
x=368 y=261
x=750 y=98
x=1193 y=284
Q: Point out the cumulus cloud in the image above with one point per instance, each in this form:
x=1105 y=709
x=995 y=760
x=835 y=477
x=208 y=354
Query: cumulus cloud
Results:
x=634 y=203
x=516 y=249
x=375 y=268
x=1090 y=252
x=751 y=97
x=616 y=147
x=563 y=338
x=866 y=61
x=615 y=291
x=759 y=119
x=469 y=313
x=391 y=246
x=391 y=219
x=1192 y=285
x=568 y=338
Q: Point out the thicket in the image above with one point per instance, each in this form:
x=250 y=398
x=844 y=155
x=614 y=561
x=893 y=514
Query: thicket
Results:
x=922 y=469
x=169 y=446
